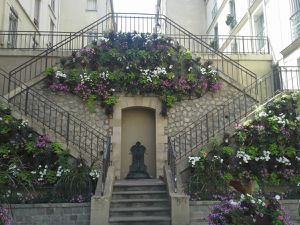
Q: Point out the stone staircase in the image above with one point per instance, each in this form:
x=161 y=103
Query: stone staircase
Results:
x=136 y=202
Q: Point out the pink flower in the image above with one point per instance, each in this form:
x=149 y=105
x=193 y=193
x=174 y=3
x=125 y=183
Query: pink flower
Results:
x=280 y=217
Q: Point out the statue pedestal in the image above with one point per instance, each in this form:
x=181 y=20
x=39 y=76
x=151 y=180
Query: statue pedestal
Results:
x=138 y=169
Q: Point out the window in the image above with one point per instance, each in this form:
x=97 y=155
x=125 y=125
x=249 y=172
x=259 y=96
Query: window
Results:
x=13 y=27
x=37 y=6
x=295 y=19
x=232 y=13
x=214 y=10
x=92 y=5
x=52 y=5
x=259 y=24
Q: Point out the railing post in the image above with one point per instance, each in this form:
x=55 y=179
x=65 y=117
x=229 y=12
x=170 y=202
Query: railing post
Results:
x=26 y=102
x=68 y=126
x=243 y=43
x=9 y=83
x=82 y=40
x=207 y=129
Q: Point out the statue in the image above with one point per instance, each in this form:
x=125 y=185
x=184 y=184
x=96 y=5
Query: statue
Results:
x=138 y=169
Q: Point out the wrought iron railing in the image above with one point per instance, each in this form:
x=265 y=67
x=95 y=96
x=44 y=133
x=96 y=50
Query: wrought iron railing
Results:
x=142 y=23
x=231 y=44
x=219 y=120
x=33 y=40
x=41 y=40
x=89 y=142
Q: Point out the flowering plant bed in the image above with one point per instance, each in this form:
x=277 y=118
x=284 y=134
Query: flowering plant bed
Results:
x=5 y=218
x=248 y=210
x=35 y=170
x=263 y=150
x=133 y=63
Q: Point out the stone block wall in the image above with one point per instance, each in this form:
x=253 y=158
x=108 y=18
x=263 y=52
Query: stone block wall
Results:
x=199 y=211
x=51 y=214
x=77 y=107
x=188 y=111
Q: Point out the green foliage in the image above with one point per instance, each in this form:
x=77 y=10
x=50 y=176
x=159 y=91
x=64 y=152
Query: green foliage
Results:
x=51 y=177
x=57 y=149
x=30 y=165
x=91 y=103
x=49 y=72
x=136 y=64
x=229 y=151
x=111 y=100
x=30 y=147
x=264 y=148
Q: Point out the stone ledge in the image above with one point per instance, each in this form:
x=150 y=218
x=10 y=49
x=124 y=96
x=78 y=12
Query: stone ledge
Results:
x=47 y=205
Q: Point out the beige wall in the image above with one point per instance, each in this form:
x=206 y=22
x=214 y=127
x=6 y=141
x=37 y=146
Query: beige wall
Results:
x=138 y=124
x=190 y=14
x=25 y=10
x=74 y=17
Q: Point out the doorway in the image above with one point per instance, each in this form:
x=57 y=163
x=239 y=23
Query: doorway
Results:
x=138 y=124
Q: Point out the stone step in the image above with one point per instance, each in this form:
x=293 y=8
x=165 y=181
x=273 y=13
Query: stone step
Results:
x=139 y=185
x=116 y=203
x=139 y=194
x=139 y=211
x=144 y=220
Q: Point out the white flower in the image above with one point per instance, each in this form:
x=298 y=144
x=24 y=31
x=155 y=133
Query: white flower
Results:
x=170 y=67
x=283 y=160
x=277 y=197
x=242 y=155
x=262 y=114
x=193 y=160
x=233 y=203
x=59 y=74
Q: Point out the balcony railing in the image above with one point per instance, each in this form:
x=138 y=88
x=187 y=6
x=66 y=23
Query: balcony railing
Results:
x=233 y=44
x=44 y=40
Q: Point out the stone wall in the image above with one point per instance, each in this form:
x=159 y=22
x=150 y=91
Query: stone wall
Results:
x=199 y=211
x=77 y=107
x=51 y=214
x=187 y=111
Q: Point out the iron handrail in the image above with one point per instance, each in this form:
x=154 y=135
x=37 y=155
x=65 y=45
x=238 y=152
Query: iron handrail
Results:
x=269 y=85
x=193 y=37
x=118 y=16
x=39 y=40
x=98 y=141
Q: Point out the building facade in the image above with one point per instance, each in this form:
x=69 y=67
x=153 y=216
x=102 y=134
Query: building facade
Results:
x=276 y=19
x=74 y=17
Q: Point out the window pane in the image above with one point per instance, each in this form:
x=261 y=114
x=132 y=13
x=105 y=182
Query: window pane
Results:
x=91 y=4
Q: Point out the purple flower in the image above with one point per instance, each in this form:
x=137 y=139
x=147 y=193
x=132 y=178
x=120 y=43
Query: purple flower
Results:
x=59 y=87
x=5 y=219
x=216 y=86
x=42 y=141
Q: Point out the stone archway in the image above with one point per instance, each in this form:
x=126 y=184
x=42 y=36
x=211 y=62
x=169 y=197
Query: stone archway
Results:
x=152 y=103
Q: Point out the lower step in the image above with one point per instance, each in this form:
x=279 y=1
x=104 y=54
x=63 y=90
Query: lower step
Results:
x=144 y=220
x=139 y=211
